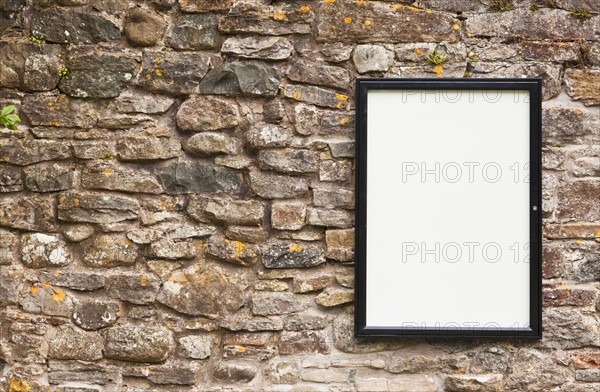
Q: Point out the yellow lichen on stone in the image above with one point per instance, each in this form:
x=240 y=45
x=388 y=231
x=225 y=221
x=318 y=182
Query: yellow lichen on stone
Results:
x=58 y=295
x=347 y=20
x=106 y=172
x=438 y=70
x=342 y=100
x=241 y=349
x=364 y=3
x=54 y=124
x=56 y=273
x=158 y=72
x=328 y=1
x=428 y=11
x=34 y=290
x=414 y=9
x=419 y=52
x=367 y=23
x=304 y=9
x=143 y=281
x=455 y=27
x=279 y=15
x=344 y=120
x=296 y=95
x=597 y=235
x=148 y=76
x=295 y=248
x=17 y=385
x=61 y=200
x=76 y=202
x=238 y=247
x=46 y=286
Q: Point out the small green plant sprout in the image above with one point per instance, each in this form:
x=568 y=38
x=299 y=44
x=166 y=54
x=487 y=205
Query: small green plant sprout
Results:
x=8 y=118
x=581 y=13
x=435 y=58
x=63 y=72
x=501 y=5
x=38 y=39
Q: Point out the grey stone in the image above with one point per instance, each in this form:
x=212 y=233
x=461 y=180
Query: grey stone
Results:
x=78 y=233
x=201 y=291
x=368 y=58
x=335 y=170
x=315 y=96
x=288 y=215
x=124 y=121
x=333 y=198
x=173 y=73
x=139 y=289
x=307 y=119
x=48 y=300
x=193 y=32
x=306 y=321
x=268 y=304
x=8 y=247
x=70 y=343
x=80 y=281
x=235 y=252
x=173 y=375
x=264 y=48
x=27 y=152
x=96 y=208
x=340 y=244
x=567 y=328
x=138 y=344
x=200 y=113
x=132 y=102
x=10 y=179
x=59 y=110
x=342 y=149
x=204 y=5
x=29 y=66
x=583 y=85
x=171 y=250
x=73 y=26
x=334 y=297
x=293 y=161
x=95 y=315
x=193 y=177
x=101 y=75
x=578 y=201
x=27 y=213
x=344 y=340
x=108 y=251
x=234 y=371
x=303 y=342
x=292 y=256
x=273 y=111
x=247 y=234
x=211 y=143
x=196 y=347
x=117 y=178
x=93 y=149
x=49 y=177
x=143 y=27
x=568 y=125
x=490 y=360
x=336 y=52
x=274 y=186
x=248 y=77
x=588 y=375
x=330 y=217
x=142 y=147
x=40 y=250
x=10 y=285
x=269 y=136
x=41 y=72
x=311 y=72
x=529 y=363
x=262 y=21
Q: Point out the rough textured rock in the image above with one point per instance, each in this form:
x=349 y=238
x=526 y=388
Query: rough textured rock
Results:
x=173 y=73
x=131 y=102
x=304 y=71
x=188 y=177
x=26 y=152
x=112 y=177
x=264 y=48
x=315 y=96
x=193 y=32
x=235 y=252
x=69 y=343
x=42 y=250
x=269 y=136
x=583 y=85
x=96 y=208
x=59 y=110
x=142 y=147
x=274 y=186
x=204 y=5
x=303 y=342
x=250 y=77
x=293 y=161
x=143 y=27
x=49 y=177
x=8 y=247
x=340 y=244
x=579 y=201
x=236 y=372
x=334 y=297
x=330 y=218
x=138 y=344
x=196 y=347
x=35 y=214
x=108 y=251
x=10 y=179
x=369 y=58
x=211 y=143
x=201 y=113
x=288 y=215
x=94 y=315
x=139 y=289
x=292 y=256
x=268 y=304
x=207 y=208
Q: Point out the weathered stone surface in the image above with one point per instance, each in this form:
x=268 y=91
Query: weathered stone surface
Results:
x=567 y=297
x=49 y=177
x=78 y=233
x=293 y=161
x=306 y=321
x=141 y=147
x=336 y=52
x=143 y=27
x=204 y=5
x=27 y=213
x=579 y=201
x=340 y=244
x=201 y=291
x=48 y=300
x=269 y=136
x=310 y=72
x=73 y=26
x=306 y=118
x=10 y=179
x=344 y=340
x=28 y=65
x=94 y=315
x=265 y=21
x=583 y=85
x=40 y=250
x=315 y=96
x=303 y=342
x=27 y=151
x=10 y=285
x=247 y=234
x=567 y=328
x=292 y=256
x=206 y=208
x=248 y=77
x=310 y=284
x=335 y=170
x=482 y=383
x=70 y=343
x=8 y=247
x=138 y=344
x=263 y=48
x=196 y=346
x=565 y=124
x=330 y=218
x=108 y=251
x=172 y=250
x=381 y=22
x=193 y=32
x=139 y=289
x=97 y=75
x=532 y=362
x=96 y=208
x=235 y=252
x=268 y=304
x=40 y=72
x=59 y=110
x=80 y=281
x=200 y=113
x=211 y=143
x=275 y=186
x=369 y=58
x=173 y=375
x=192 y=177
x=234 y=371
x=273 y=111
x=533 y=25
x=282 y=372
x=288 y=215
x=173 y=73
x=112 y=177
x=334 y=297
x=132 y=102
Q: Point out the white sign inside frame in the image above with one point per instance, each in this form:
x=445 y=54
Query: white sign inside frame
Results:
x=448 y=217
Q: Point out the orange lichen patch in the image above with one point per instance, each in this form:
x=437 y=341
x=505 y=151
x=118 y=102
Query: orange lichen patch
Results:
x=238 y=247
x=578 y=241
x=54 y=124
x=34 y=290
x=577 y=110
x=328 y=1
x=458 y=371
x=428 y=11
x=58 y=295
x=279 y=15
x=333 y=27
x=564 y=287
x=295 y=248
x=143 y=281
x=455 y=26
x=61 y=200
x=56 y=273
x=597 y=235
x=241 y=349
x=419 y=52
x=296 y=95
x=148 y=76
x=344 y=120
x=158 y=72
x=397 y=6
x=414 y=9
x=471 y=54
x=342 y=100
x=364 y=3
x=367 y=23
x=17 y=385
x=106 y=171
x=347 y=20
x=304 y=9
x=46 y=286
x=438 y=70
x=76 y=202
x=157 y=60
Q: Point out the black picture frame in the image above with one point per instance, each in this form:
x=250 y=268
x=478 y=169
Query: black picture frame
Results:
x=534 y=331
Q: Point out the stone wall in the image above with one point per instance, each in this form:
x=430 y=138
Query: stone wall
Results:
x=176 y=209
